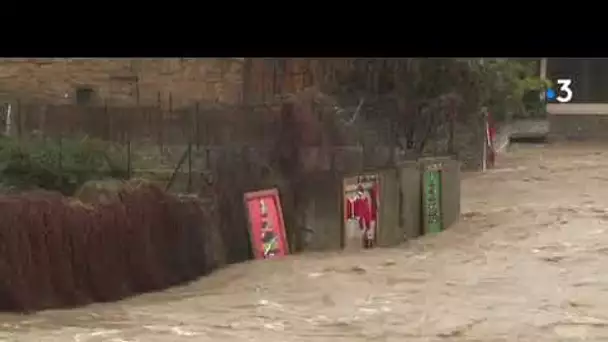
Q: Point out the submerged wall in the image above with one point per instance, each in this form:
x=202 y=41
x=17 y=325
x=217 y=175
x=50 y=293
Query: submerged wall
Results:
x=578 y=122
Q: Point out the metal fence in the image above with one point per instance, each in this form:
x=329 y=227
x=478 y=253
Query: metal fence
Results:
x=193 y=143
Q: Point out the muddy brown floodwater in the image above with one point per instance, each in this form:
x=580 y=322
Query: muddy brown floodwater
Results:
x=527 y=262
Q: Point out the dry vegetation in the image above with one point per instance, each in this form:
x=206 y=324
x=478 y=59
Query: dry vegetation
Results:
x=57 y=251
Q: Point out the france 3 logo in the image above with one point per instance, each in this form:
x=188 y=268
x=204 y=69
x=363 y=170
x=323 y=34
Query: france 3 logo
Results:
x=564 y=92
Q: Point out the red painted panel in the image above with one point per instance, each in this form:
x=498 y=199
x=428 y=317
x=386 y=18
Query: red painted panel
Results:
x=266 y=225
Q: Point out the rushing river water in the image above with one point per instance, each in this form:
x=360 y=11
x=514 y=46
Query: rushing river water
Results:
x=527 y=262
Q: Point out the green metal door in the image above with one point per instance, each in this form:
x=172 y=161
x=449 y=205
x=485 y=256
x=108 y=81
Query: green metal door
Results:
x=431 y=199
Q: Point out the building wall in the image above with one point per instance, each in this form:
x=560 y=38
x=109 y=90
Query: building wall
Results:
x=589 y=77
x=580 y=122
x=123 y=81
x=267 y=78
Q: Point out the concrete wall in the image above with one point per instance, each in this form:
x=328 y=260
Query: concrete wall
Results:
x=320 y=207
x=580 y=122
x=389 y=231
x=450 y=187
x=410 y=199
x=122 y=81
x=410 y=178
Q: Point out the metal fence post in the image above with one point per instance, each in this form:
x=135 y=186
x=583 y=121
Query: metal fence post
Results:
x=160 y=123
x=197 y=126
x=189 y=189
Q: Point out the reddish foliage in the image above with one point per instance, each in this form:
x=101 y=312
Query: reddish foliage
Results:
x=55 y=252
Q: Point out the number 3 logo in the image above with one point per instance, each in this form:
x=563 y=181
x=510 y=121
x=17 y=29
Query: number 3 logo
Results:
x=565 y=93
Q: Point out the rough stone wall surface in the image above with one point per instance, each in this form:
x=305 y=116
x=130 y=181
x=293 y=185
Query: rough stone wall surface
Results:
x=122 y=81
x=582 y=127
x=271 y=77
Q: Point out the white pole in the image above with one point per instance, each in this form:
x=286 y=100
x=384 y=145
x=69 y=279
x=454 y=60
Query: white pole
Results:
x=8 y=120
x=484 y=159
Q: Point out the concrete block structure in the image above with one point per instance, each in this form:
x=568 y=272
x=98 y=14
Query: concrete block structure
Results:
x=585 y=116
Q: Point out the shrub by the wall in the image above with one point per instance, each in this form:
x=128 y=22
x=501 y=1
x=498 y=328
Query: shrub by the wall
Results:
x=56 y=165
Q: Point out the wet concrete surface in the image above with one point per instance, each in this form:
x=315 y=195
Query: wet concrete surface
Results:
x=527 y=262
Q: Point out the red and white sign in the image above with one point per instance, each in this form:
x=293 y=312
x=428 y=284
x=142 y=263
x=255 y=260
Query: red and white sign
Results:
x=266 y=225
x=361 y=210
